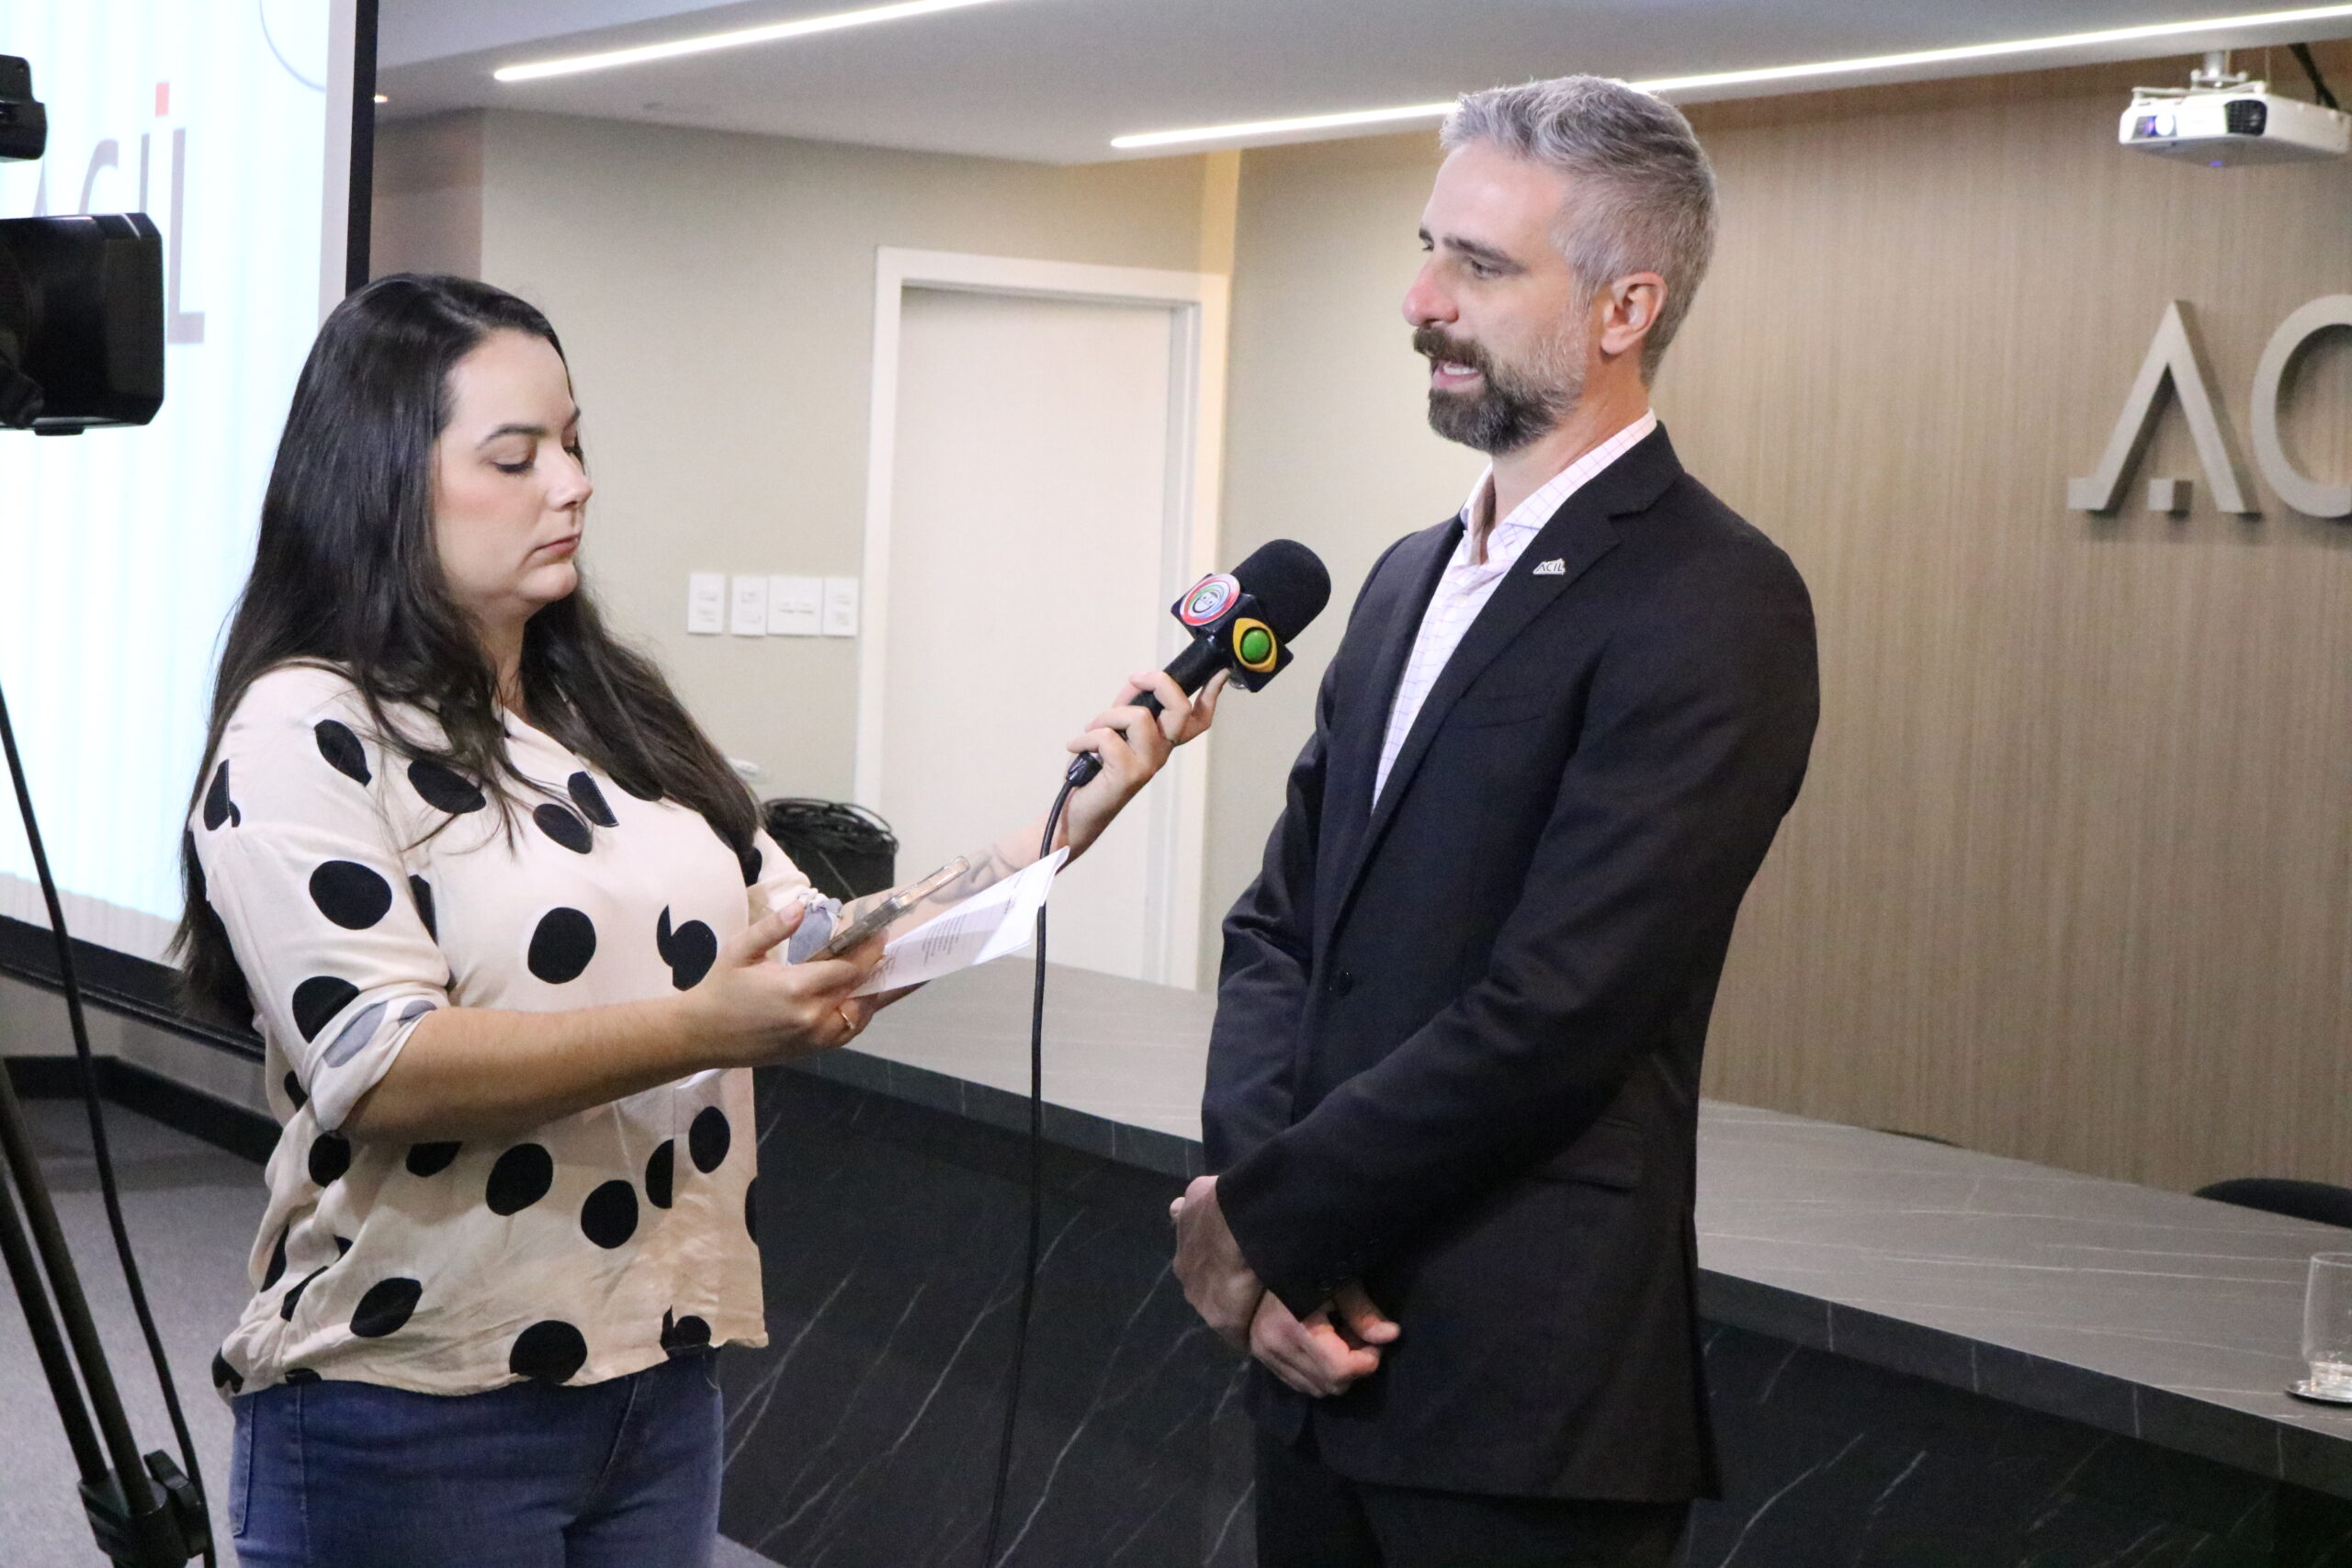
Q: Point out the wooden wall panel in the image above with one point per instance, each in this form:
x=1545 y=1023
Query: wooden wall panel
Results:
x=2072 y=878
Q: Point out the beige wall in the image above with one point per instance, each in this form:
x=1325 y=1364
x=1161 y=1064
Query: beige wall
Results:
x=2072 y=878
x=1326 y=440
x=427 y=196
x=714 y=296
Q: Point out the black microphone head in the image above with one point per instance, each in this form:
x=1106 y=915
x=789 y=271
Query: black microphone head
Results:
x=1289 y=583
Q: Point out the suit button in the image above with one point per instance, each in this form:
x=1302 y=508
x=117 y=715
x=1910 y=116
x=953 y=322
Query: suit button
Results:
x=1342 y=982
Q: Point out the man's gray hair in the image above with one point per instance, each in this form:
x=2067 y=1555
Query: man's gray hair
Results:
x=1643 y=193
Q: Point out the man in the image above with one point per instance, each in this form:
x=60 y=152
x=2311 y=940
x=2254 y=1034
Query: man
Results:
x=1452 y=1086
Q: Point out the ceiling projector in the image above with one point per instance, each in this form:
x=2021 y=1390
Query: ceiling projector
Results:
x=2222 y=118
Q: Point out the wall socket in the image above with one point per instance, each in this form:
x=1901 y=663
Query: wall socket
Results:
x=748 y=607
x=752 y=604
x=707 y=603
x=841 y=606
x=796 y=605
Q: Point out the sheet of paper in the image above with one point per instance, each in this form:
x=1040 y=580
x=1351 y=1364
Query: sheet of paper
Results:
x=998 y=919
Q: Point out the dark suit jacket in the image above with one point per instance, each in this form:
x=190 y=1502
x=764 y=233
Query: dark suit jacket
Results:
x=1458 y=1032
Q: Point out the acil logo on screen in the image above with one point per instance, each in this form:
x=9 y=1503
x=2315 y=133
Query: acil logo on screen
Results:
x=2176 y=360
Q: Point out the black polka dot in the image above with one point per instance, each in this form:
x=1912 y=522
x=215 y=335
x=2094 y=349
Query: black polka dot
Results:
x=301 y=1374
x=431 y=1159
x=697 y=950
x=706 y=1140
x=342 y=750
x=218 y=808
x=342 y=1246
x=561 y=944
x=294 y=1297
x=609 y=1217
x=450 y=792
x=689 y=951
x=659 y=1172
x=520 y=1179
x=385 y=1307
x=293 y=1086
x=688 y=1332
x=421 y=891
x=564 y=827
x=317 y=1000
x=591 y=801
x=751 y=1208
x=277 y=1269
x=350 y=894
x=330 y=1157
x=549 y=1351
x=748 y=858
x=226 y=1376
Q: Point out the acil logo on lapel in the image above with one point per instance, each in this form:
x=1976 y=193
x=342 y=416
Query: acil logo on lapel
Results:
x=1552 y=567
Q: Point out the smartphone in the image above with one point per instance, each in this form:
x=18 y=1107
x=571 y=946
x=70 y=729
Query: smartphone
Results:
x=897 y=903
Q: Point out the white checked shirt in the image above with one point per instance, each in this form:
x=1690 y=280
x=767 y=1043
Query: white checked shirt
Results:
x=1469 y=581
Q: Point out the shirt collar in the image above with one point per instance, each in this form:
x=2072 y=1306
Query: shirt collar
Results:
x=1530 y=515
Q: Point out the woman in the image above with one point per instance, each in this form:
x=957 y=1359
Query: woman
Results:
x=509 y=929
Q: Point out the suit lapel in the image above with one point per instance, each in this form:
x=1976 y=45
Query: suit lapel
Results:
x=1579 y=535
x=1416 y=567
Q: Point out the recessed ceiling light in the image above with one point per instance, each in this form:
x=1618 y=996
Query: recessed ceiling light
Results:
x=382 y=99
x=1861 y=65
x=1282 y=127
x=772 y=33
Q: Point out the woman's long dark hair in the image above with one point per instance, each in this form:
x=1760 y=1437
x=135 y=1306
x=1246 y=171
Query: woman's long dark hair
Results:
x=346 y=574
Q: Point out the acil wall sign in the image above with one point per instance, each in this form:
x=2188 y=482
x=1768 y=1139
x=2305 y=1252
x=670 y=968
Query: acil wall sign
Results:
x=2176 y=358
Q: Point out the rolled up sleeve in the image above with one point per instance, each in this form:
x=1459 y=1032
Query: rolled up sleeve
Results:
x=332 y=931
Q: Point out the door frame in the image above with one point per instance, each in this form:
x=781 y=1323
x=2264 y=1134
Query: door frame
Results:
x=1197 y=303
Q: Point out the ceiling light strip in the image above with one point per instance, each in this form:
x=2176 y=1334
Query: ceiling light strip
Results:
x=772 y=33
x=1760 y=76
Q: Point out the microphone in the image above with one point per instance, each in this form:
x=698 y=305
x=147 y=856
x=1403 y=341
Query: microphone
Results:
x=1241 y=621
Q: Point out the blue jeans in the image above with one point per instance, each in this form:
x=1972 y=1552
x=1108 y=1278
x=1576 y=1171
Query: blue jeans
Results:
x=617 y=1475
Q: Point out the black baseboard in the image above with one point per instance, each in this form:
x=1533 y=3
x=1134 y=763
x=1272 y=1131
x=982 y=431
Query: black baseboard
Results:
x=247 y=1134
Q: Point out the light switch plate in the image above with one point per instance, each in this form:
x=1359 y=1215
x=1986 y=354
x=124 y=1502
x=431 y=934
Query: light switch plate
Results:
x=796 y=606
x=706 y=602
x=749 y=614
x=841 y=606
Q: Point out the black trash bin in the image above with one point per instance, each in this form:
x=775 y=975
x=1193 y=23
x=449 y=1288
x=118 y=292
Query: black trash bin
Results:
x=845 y=849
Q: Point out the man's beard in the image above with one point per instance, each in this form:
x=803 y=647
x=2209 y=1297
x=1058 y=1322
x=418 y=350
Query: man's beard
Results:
x=1513 y=405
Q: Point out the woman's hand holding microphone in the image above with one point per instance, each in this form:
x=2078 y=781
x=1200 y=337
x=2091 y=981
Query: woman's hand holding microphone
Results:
x=1134 y=744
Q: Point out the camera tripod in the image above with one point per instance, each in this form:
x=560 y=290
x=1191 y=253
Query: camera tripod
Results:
x=145 y=1511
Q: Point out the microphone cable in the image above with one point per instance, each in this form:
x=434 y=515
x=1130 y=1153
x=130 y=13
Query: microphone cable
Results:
x=1286 y=584
x=1036 y=1193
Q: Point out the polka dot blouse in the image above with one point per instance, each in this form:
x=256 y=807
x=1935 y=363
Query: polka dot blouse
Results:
x=362 y=891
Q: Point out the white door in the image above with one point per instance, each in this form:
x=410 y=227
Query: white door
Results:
x=1030 y=564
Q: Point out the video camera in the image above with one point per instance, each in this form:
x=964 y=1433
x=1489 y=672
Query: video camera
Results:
x=81 y=300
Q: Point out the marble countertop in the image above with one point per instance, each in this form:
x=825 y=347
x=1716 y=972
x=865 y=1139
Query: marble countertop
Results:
x=2146 y=1313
